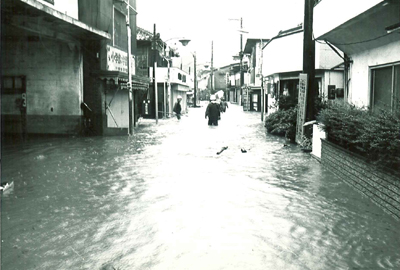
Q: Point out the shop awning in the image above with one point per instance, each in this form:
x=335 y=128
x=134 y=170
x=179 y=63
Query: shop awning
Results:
x=138 y=82
x=368 y=30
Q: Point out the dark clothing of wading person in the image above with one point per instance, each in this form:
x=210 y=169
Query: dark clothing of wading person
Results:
x=178 y=108
x=224 y=105
x=213 y=113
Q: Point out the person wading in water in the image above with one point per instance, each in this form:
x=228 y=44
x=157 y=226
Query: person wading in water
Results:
x=178 y=107
x=212 y=112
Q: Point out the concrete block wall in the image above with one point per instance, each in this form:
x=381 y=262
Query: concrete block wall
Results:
x=381 y=187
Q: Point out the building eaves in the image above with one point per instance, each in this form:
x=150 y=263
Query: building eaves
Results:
x=291 y=31
x=285 y=33
x=373 y=28
x=251 y=42
x=18 y=13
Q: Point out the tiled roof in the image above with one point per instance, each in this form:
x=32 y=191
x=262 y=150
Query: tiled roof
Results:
x=143 y=34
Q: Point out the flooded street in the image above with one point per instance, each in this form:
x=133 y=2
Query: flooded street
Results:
x=163 y=199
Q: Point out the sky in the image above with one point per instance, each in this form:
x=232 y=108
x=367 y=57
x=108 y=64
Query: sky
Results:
x=211 y=20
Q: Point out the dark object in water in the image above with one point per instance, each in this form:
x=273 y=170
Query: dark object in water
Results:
x=222 y=150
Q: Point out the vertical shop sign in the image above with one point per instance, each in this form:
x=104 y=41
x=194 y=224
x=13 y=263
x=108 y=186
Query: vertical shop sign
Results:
x=301 y=113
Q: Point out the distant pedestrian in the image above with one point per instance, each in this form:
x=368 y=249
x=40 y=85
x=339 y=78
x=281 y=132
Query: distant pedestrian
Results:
x=212 y=112
x=177 y=107
x=218 y=101
x=224 y=105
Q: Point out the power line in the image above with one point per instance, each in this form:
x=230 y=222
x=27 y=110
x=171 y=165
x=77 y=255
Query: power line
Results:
x=357 y=42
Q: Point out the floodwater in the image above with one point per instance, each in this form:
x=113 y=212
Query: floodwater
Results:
x=163 y=199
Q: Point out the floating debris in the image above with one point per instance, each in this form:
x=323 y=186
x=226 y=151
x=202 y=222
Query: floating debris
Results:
x=222 y=150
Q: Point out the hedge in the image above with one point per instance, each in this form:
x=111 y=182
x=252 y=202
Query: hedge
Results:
x=375 y=135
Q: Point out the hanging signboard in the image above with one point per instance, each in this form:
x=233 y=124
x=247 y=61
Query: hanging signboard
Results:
x=117 y=60
x=301 y=112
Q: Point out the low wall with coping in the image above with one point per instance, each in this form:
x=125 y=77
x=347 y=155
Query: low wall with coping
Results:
x=381 y=187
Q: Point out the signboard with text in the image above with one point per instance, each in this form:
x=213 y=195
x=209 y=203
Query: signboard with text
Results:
x=301 y=112
x=117 y=60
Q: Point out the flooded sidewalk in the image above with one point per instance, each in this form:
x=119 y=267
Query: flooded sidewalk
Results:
x=164 y=199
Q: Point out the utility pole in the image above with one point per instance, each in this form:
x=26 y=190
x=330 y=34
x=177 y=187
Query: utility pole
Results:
x=241 y=60
x=262 y=82
x=154 y=71
x=309 y=58
x=212 y=65
x=129 y=52
x=195 y=81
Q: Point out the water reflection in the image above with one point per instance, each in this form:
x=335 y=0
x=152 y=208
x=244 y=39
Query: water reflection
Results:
x=163 y=199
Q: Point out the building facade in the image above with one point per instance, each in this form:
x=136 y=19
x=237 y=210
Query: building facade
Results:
x=171 y=80
x=253 y=98
x=283 y=64
x=43 y=45
x=368 y=34
x=112 y=104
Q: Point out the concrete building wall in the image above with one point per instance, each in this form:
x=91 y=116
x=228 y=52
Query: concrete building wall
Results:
x=325 y=57
x=68 y=7
x=100 y=14
x=54 y=83
x=331 y=78
x=284 y=55
x=202 y=83
x=360 y=80
x=220 y=79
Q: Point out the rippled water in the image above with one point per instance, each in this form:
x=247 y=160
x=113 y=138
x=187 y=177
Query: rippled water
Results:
x=163 y=199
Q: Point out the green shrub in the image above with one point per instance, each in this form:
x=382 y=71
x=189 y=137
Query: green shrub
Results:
x=283 y=123
x=286 y=102
x=373 y=135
